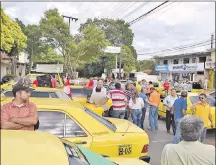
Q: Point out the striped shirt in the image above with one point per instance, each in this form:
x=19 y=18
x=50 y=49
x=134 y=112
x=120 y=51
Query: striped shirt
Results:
x=119 y=99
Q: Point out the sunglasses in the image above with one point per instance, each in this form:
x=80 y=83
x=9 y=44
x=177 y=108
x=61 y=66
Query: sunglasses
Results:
x=201 y=98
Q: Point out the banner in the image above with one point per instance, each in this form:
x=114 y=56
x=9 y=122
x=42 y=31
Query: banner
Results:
x=49 y=68
x=161 y=68
x=186 y=67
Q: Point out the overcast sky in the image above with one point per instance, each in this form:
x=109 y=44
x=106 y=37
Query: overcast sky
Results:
x=175 y=24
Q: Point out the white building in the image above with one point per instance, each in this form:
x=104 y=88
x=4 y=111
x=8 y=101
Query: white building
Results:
x=21 y=64
x=189 y=66
x=5 y=64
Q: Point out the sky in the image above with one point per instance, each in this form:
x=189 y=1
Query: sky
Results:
x=173 y=25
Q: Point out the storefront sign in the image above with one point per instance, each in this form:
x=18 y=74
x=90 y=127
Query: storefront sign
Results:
x=187 y=67
x=161 y=68
x=49 y=68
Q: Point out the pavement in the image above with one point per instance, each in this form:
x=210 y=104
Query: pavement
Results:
x=158 y=139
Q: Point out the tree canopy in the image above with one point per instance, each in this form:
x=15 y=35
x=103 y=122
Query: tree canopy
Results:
x=11 y=34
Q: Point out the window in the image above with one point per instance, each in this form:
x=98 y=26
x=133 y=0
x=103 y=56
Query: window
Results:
x=102 y=120
x=40 y=94
x=210 y=100
x=186 y=61
x=165 y=62
x=175 y=61
x=77 y=92
x=62 y=95
x=53 y=95
x=73 y=130
x=193 y=60
x=52 y=122
x=8 y=93
x=202 y=59
x=155 y=85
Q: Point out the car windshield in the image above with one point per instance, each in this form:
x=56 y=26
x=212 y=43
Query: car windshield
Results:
x=77 y=92
x=210 y=100
x=75 y=156
x=102 y=120
x=63 y=95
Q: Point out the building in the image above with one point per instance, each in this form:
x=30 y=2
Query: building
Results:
x=5 y=64
x=190 y=66
x=210 y=68
x=22 y=61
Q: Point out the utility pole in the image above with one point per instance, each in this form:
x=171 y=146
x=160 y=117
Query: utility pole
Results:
x=70 y=19
x=212 y=40
x=120 y=61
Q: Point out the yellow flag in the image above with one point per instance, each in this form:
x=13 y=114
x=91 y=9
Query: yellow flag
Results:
x=60 y=80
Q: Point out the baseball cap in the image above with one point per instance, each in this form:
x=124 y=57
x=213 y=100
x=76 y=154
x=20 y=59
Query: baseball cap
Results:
x=24 y=84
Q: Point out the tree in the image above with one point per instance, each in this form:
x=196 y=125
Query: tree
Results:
x=128 y=60
x=88 y=47
x=11 y=34
x=145 y=65
x=50 y=56
x=55 y=31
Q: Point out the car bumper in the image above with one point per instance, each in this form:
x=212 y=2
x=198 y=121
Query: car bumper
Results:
x=145 y=158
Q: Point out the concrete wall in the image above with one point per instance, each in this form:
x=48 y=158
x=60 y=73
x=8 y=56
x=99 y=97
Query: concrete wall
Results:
x=4 y=69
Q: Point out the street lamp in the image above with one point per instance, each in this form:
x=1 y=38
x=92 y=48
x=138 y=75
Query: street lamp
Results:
x=70 y=18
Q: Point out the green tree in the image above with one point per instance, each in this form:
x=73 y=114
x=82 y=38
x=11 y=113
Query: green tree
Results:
x=55 y=31
x=87 y=48
x=145 y=65
x=49 y=56
x=129 y=62
x=116 y=31
x=11 y=34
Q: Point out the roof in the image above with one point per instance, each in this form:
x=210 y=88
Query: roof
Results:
x=52 y=102
x=186 y=54
x=32 y=147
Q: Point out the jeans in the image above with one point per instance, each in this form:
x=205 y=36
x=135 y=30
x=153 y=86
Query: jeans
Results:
x=177 y=136
x=137 y=116
x=169 y=121
x=143 y=117
x=120 y=114
x=153 y=118
x=203 y=135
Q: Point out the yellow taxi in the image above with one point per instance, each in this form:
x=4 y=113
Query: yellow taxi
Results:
x=191 y=99
x=33 y=76
x=110 y=137
x=40 y=148
x=8 y=85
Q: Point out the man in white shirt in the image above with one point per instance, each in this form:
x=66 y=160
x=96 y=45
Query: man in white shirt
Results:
x=168 y=102
x=189 y=151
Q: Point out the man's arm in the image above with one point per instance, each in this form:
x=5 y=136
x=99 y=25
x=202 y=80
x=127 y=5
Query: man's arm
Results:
x=103 y=102
x=193 y=107
x=10 y=125
x=148 y=101
x=28 y=121
x=210 y=117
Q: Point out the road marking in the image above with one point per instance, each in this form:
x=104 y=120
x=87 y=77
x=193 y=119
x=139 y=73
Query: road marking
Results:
x=160 y=141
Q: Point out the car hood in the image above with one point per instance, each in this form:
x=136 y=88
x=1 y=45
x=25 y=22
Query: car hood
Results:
x=127 y=161
x=125 y=125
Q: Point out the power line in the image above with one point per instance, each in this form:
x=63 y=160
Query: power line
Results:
x=144 y=15
x=205 y=43
x=127 y=9
x=119 y=10
x=159 y=13
x=136 y=9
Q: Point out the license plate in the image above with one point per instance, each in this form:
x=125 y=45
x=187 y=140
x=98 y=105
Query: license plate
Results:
x=125 y=149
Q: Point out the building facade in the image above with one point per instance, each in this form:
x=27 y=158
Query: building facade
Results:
x=5 y=64
x=210 y=68
x=182 y=67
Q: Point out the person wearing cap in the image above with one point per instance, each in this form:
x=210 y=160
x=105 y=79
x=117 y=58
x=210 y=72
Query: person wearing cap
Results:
x=179 y=110
x=20 y=114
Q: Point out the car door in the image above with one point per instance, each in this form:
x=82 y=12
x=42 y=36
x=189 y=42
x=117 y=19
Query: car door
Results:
x=162 y=108
x=62 y=125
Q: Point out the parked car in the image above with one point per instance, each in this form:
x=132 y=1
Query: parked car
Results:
x=68 y=119
x=42 y=148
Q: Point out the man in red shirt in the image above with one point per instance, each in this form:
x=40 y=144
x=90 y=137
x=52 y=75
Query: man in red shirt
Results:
x=166 y=87
x=20 y=114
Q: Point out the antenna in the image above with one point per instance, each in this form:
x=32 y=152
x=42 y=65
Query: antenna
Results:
x=127 y=128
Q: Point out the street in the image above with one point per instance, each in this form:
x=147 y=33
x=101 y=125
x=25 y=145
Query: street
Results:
x=158 y=139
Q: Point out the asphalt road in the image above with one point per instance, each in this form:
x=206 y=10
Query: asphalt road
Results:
x=158 y=139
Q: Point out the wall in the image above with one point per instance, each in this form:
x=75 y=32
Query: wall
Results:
x=4 y=69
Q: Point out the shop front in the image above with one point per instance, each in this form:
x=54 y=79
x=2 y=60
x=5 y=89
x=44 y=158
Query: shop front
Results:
x=163 y=72
x=210 y=67
x=186 y=72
